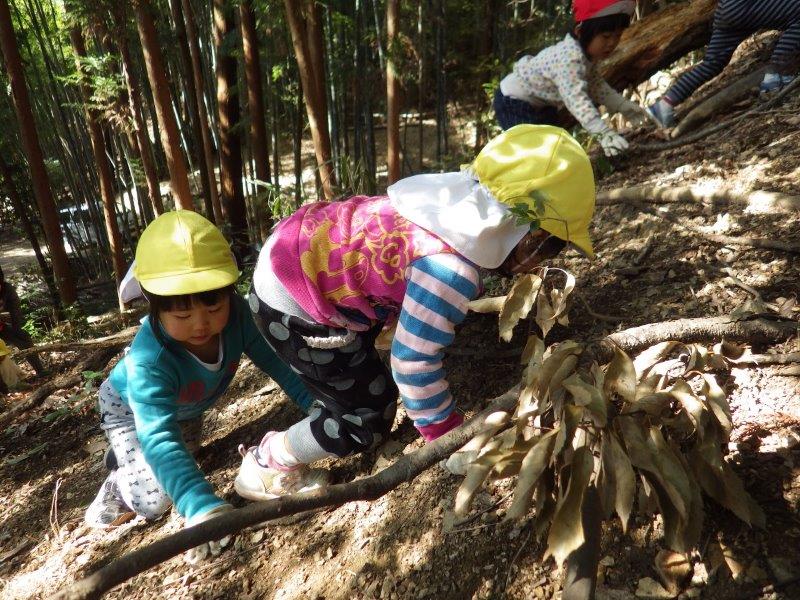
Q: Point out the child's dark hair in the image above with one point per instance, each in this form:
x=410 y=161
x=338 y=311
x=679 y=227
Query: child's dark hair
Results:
x=181 y=302
x=588 y=29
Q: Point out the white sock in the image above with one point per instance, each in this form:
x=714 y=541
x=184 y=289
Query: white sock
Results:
x=279 y=449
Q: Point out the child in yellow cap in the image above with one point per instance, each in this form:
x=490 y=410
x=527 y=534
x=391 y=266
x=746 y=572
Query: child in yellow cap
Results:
x=181 y=361
x=334 y=274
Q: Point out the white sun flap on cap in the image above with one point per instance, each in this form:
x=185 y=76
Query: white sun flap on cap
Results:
x=129 y=288
x=459 y=210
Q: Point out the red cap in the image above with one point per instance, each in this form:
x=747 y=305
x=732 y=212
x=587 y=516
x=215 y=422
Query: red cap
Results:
x=589 y=9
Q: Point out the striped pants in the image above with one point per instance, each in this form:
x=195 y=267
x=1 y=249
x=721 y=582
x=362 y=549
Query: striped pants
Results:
x=734 y=21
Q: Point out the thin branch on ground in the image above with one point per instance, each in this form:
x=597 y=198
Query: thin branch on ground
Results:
x=767 y=359
x=596 y=315
x=405 y=469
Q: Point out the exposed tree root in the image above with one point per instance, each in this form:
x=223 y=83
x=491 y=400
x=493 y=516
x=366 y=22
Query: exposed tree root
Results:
x=404 y=469
x=763 y=243
x=774 y=201
x=704 y=329
x=96 y=360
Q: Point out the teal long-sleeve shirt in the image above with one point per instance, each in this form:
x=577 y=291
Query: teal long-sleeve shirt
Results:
x=165 y=385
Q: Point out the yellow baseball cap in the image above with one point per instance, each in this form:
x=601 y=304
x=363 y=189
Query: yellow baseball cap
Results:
x=182 y=252
x=4 y=351
x=527 y=159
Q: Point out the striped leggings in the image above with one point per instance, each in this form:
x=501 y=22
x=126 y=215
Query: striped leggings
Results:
x=734 y=21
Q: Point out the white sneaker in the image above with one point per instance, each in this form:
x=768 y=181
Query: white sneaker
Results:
x=256 y=482
x=108 y=509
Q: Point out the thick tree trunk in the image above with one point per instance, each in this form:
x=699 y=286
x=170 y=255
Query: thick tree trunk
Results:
x=306 y=28
x=199 y=90
x=103 y=168
x=33 y=152
x=259 y=141
x=392 y=94
x=657 y=41
x=230 y=144
x=191 y=102
x=168 y=128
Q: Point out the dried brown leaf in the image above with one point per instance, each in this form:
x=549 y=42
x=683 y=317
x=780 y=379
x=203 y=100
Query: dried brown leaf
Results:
x=518 y=304
x=621 y=376
x=566 y=531
x=487 y=305
x=616 y=464
x=477 y=473
x=692 y=404
x=586 y=395
x=531 y=470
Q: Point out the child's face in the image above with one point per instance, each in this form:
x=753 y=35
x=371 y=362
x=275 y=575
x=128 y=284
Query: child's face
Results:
x=196 y=326
x=603 y=44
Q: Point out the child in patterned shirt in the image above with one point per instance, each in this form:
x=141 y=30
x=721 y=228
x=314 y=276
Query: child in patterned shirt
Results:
x=333 y=274
x=565 y=75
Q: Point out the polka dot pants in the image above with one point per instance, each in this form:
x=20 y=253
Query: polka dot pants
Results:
x=356 y=397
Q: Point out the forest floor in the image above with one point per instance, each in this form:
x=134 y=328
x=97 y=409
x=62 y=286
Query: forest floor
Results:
x=405 y=544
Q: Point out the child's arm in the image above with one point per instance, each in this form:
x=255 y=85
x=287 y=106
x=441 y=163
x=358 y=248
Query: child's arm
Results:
x=439 y=288
x=152 y=398
x=571 y=78
x=264 y=357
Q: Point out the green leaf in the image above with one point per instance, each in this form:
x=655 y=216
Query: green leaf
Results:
x=566 y=532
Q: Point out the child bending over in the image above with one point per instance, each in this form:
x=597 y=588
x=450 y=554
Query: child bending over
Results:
x=334 y=274
x=566 y=75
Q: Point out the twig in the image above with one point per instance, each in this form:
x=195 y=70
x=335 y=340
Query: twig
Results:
x=54 y=508
x=767 y=359
x=95 y=360
x=477 y=515
x=406 y=468
x=110 y=341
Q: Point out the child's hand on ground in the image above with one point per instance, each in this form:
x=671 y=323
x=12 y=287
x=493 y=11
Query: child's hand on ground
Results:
x=613 y=144
x=201 y=552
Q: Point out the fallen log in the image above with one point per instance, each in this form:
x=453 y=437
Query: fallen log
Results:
x=759 y=200
x=657 y=41
x=406 y=468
